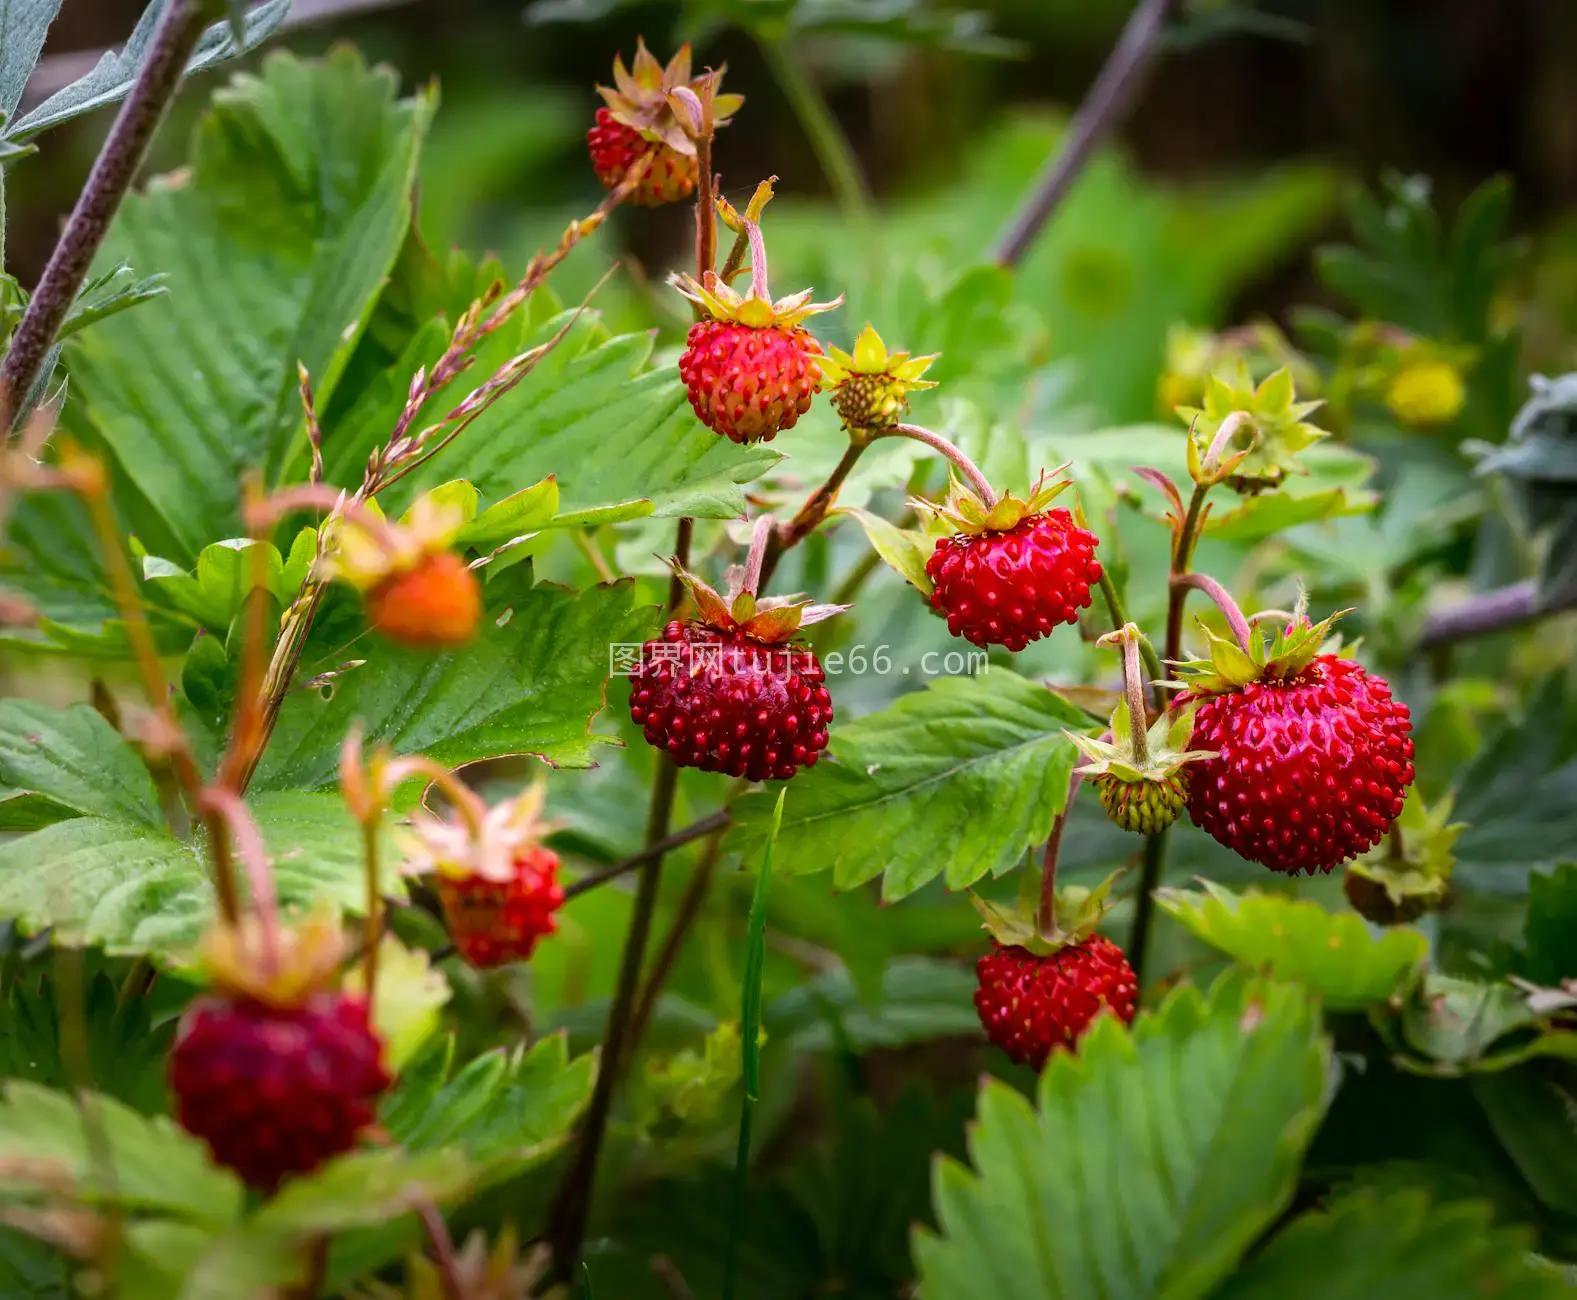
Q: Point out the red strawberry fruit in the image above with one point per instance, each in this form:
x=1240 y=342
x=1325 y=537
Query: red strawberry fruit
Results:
x=1042 y=986
x=638 y=122
x=731 y=691
x=1013 y=570
x=496 y=880
x=749 y=367
x=1313 y=755
x=275 y=1071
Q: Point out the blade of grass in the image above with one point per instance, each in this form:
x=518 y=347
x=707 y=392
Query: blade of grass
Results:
x=750 y=1046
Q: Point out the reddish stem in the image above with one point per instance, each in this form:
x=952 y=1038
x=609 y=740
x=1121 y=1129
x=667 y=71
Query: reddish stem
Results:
x=237 y=819
x=1223 y=598
x=964 y=465
x=760 y=536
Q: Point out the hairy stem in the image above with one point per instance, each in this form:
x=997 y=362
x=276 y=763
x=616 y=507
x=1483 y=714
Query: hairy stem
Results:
x=1106 y=104
x=1144 y=909
x=1120 y=619
x=961 y=462
x=1241 y=631
x=113 y=171
x=1134 y=690
x=831 y=146
x=809 y=515
x=760 y=539
x=1494 y=611
x=684 y=835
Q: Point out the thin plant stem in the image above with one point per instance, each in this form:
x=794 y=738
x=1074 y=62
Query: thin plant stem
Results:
x=113 y=171
x=1144 y=909
x=827 y=139
x=760 y=538
x=443 y=1250
x=705 y=207
x=1182 y=556
x=1134 y=690
x=961 y=462
x=586 y=542
x=809 y=515
x=1218 y=445
x=1046 y=917
x=1107 y=103
x=685 y=835
x=237 y=820
x=683 y=535
x=1494 y=611
x=372 y=923
x=567 y=1224
x=1120 y=619
x=1241 y=631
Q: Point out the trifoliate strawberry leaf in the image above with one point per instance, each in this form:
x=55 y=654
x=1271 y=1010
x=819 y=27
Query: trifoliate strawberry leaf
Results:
x=530 y=684
x=1396 y=1245
x=953 y=781
x=300 y=190
x=1334 y=953
x=127 y=887
x=1150 y=1161
x=125 y=1158
x=58 y=763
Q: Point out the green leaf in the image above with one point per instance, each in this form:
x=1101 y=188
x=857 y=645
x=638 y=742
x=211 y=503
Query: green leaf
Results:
x=507 y=1109
x=1398 y=1246
x=111 y=78
x=410 y=996
x=1549 y=934
x=592 y=415
x=147 y=1164
x=1334 y=953
x=1533 y=1111
x=64 y=762
x=300 y=191
x=365 y=1189
x=1456 y=1021
x=215 y=591
x=129 y=888
x=176 y=1261
x=24 y=24
x=1151 y=1163
x=956 y=780
x=531 y=686
x=104 y=295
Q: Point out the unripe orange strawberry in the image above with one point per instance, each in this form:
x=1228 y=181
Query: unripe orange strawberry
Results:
x=434 y=606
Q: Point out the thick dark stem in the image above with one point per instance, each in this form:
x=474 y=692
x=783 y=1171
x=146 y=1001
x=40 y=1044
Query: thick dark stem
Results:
x=567 y=1227
x=1105 y=105
x=107 y=183
x=1493 y=611
x=1144 y=906
x=684 y=835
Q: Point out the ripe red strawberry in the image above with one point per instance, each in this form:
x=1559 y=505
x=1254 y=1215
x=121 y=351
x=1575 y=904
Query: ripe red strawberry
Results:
x=495 y=922
x=1313 y=756
x=435 y=605
x=731 y=691
x=276 y=1091
x=276 y=1070
x=1032 y=1005
x=749 y=368
x=1012 y=571
x=638 y=121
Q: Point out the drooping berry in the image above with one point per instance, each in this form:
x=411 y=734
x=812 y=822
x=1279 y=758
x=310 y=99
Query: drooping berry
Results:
x=435 y=605
x=749 y=384
x=749 y=368
x=276 y=1091
x=495 y=922
x=723 y=700
x=1311 y=766
x=1011 y=586
x=1032 y=1005
x=1145 y=807
x=638 y=123
x=1408 y=874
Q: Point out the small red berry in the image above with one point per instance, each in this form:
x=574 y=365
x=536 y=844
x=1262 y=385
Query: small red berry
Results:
x=1012 y=587
x=495 y=922
x=749 y=384
x=276 y=1091
x=615 y=148
x=1310 y=769
x=1031 y=1006
x=436 y=605
x=724 y=701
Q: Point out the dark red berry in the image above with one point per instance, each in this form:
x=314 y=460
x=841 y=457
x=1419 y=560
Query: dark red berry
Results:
x=748 y=383
x=1310 y=771
x=726 y=702
x=494 y=922
x=276 y=1092
x=614 y=149
x=1031 y=1006
x=1013 y=587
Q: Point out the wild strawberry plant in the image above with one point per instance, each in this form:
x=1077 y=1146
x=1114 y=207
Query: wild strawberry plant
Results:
x=346 y=915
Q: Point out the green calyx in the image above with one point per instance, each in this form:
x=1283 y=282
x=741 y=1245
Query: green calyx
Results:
x=965 y=512
x=1077 y=915
x=772 y=620
x=1166 y=750
x=1413 y=863
x=1267 y=446
x=1229 y=667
